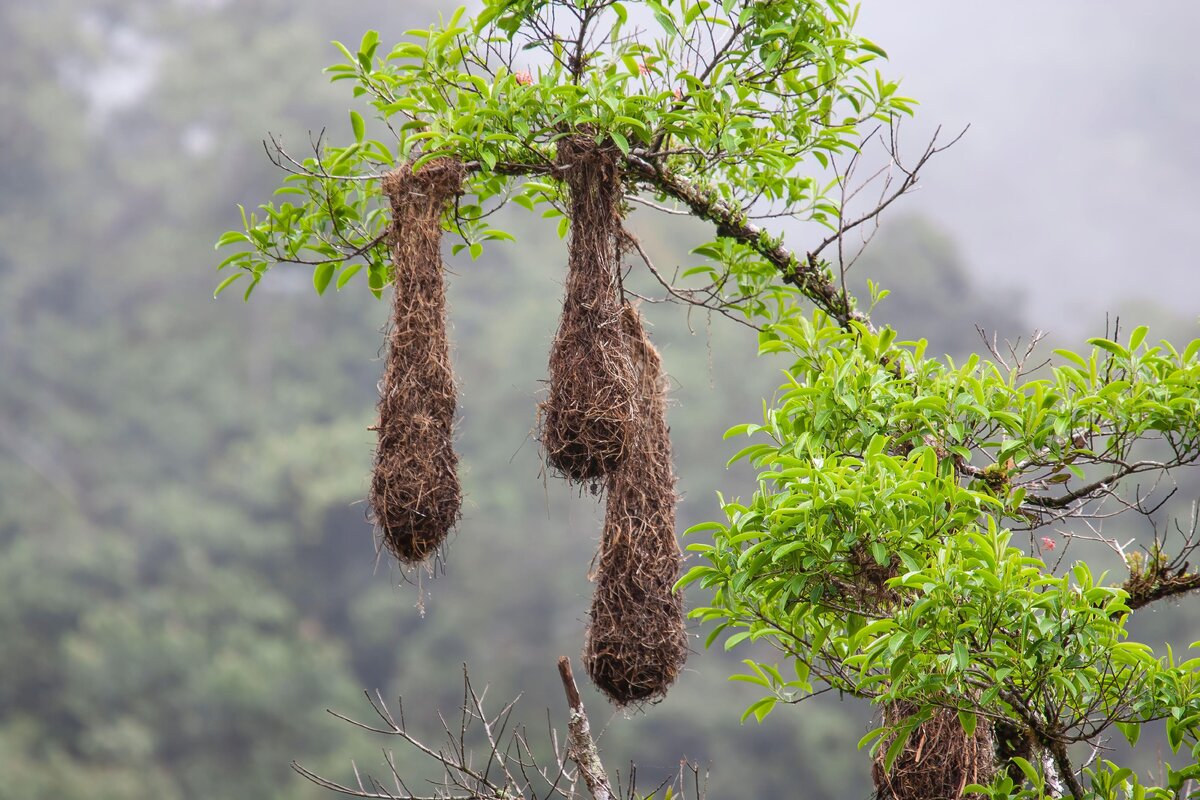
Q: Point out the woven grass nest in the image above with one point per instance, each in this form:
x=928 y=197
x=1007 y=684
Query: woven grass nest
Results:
x=938 y=761
x=415 y=493
x=586 y=420
x=636 y=643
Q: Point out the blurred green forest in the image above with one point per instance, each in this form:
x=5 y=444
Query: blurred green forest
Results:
x=188 y=579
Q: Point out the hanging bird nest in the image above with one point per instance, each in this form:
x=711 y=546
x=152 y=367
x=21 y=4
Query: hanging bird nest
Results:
x=938 y=760
x=1014 y=740
x=636 y=643
x=867 y=579
x=585 y=421
x=415 y=493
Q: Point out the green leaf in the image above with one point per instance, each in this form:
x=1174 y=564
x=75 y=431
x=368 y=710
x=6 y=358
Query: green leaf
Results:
x=712 y=637
x=897 y=746
x=1175 y=734
x=736 y=639
x=760 y=709
x=346 y=274
x=229 y=237
x=345 y=51
x=961 y=657
x=223 y=285
x=870 y=737
x=1031 y=774
x=356 y=122
x=322 y=275
x=369 y=42
x=871 y=47
x=344 y=156
x=621 y=142
x=1132 y=731
x=1110 y=346
x=253 y=282
x=1074 y=358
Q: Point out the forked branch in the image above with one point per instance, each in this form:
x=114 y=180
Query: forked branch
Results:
x=482 y=758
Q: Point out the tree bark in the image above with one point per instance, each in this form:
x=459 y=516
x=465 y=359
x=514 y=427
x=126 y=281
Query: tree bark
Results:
x=581 y=748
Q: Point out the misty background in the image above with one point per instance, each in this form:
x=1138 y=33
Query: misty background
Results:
x=186 y=578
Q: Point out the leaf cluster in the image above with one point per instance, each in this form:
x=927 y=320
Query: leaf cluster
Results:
x=875 y=553
x=738 y=99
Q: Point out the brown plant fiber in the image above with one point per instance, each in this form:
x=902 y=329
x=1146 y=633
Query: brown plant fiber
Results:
x=415 y=493
x=586 y=419
x=636 y=643
x=938 y=759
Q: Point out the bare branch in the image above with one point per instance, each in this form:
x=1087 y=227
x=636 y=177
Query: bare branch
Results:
x=581 y=748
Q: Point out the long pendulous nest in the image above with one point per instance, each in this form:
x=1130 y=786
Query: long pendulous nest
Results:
x=586 y=419
x=938 y=760
x=636 y=643
x=415 y=493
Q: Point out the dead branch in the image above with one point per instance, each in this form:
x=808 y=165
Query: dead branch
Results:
x=484 y=757
x=581 y=748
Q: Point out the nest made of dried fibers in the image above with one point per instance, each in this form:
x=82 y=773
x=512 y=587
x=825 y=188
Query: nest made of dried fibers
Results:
x=586 y=419
x=636 y=643
x=938 y=759
x=415 y=493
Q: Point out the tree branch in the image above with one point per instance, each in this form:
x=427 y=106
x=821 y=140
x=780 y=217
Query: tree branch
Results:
x=1062 y=761
x=1095 y=488
x=1056 y=761
x=733 y=223
x=1145 y=589
x=581 y=748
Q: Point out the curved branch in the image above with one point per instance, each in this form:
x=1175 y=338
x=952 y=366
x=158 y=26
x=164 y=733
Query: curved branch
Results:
x=806 y=272
x=732 y=222
x=1095 y=488
x=1144 y=590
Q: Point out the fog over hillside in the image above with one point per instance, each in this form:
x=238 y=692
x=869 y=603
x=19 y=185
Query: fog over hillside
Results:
x=189 y=581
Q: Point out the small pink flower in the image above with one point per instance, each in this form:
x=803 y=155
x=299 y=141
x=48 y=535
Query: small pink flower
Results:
x=1048 y=543
x=678 y=93
x=642 y=68
x=523 y=78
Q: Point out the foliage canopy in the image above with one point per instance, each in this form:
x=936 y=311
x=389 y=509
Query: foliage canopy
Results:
x=879 y=554
x=714 y=106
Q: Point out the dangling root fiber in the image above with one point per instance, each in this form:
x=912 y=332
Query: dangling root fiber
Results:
x=415 y=493
x=938 y=760
x=636 y=643
x=585 y=422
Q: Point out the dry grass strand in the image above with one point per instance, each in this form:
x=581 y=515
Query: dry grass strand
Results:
x=636 y=641
x=938 y=761
x=415 y=493
x=586 y=419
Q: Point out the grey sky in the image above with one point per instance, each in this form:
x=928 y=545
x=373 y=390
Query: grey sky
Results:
x=1077 y=178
